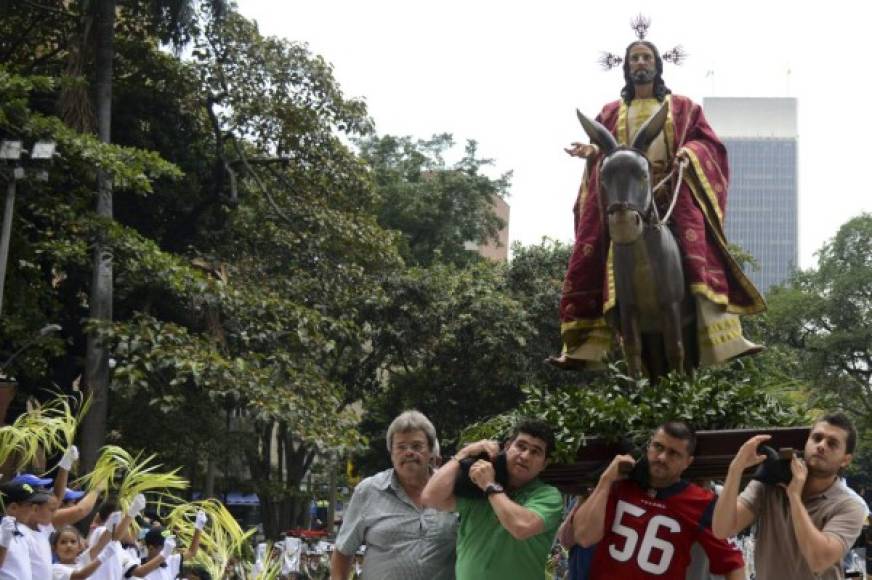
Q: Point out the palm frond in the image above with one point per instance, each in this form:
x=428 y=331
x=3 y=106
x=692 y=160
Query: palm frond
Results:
x=46 y=428
x=222 y=542
x=116 y=469
x=270 y=567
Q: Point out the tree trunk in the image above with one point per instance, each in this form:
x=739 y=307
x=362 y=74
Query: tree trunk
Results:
x=278 y=511
x=260 y=465
x=299 y=517
x=298 y=460
x=331 y=517
x=8 y=388
x=209 y=488
x=93 y=431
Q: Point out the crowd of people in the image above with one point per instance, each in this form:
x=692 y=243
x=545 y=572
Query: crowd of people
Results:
x=643 y=520
x=39 y=539
x=485 y=514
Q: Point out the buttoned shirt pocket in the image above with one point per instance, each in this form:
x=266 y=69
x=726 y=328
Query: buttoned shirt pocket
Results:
x=439 y=526
x=392 y=526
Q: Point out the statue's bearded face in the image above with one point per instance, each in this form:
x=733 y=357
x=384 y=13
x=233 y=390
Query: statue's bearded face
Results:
x=643 y=65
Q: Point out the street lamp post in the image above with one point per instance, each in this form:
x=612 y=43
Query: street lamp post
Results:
x=11 y=152
x=46 y=330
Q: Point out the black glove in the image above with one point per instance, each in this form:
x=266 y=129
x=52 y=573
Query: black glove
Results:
x=774 y=469
x=464 y=487
x=640 y=473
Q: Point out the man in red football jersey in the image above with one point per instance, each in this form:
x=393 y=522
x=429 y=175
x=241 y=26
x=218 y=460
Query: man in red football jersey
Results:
x=645 y=525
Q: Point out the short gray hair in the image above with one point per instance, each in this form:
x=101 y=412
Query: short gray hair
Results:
x=413 y=421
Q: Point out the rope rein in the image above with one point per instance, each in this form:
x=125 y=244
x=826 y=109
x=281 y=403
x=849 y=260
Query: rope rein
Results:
x=681 y=166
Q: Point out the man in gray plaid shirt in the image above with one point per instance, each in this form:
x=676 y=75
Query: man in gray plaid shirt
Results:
x=404 y=540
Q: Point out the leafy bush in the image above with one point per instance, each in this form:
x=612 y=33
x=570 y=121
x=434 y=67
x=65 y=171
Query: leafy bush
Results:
x=613 y=405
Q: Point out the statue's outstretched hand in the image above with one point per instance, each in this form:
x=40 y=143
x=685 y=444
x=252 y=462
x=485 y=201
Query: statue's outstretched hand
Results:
x=582 y=150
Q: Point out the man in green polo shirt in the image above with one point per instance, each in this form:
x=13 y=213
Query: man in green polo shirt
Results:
x=507 y=534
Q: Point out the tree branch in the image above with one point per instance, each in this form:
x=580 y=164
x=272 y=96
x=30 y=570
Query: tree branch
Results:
x=260 y=184
x=219 y=147
x=267 y=160
x=51 y=9
x=239 y=152
x=36 y=62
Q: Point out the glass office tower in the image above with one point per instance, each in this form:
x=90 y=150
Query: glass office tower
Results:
x=763 y=203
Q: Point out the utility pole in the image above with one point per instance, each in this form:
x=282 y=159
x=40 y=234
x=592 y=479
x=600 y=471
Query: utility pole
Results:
x=8 y=208
x=11 y=152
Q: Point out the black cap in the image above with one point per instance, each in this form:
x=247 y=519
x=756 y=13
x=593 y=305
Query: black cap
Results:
x=155 y=537
x=17 y=492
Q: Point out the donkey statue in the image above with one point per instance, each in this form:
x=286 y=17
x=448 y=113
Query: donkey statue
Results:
x=652 y=302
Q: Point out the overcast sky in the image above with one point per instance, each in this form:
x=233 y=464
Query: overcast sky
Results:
x=510 y=75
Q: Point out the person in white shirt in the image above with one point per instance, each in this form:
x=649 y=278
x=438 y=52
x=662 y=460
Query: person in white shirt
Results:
x=21 y=501
x=120 y=565
x=47 y=515
x=72 y=562
x=69 y=510
x=159 y=542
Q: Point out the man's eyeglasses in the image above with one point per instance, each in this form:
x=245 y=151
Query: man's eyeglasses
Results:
x=416 y=447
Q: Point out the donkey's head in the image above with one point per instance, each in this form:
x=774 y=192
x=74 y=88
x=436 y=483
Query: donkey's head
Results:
x=625 y=175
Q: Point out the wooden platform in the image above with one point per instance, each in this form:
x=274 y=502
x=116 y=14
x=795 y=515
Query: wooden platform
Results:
x=714 y=451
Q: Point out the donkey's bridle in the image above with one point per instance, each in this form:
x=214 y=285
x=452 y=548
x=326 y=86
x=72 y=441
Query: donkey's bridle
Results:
x=645 y=212
x=651 y=210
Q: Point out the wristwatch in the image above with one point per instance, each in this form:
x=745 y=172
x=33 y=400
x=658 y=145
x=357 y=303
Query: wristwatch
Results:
x=493 y=488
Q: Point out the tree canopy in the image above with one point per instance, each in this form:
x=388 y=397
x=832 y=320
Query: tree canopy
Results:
x=822 y=318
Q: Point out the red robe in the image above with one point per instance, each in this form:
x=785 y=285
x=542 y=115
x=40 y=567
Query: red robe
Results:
x=697 y=222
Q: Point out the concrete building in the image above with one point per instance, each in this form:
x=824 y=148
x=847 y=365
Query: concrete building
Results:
x=498 y=251
x=763 y=202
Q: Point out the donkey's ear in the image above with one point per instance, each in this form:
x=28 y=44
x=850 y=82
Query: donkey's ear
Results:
x=651 y=128
x=598 y=134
